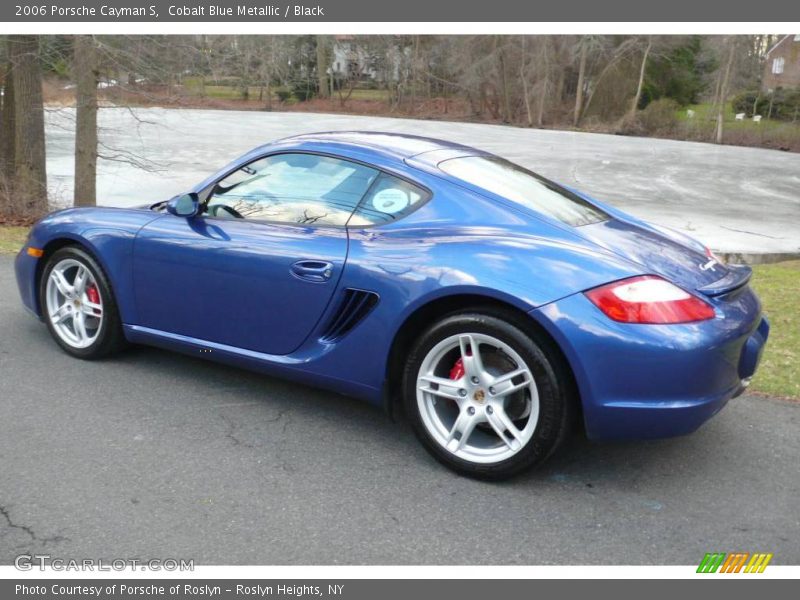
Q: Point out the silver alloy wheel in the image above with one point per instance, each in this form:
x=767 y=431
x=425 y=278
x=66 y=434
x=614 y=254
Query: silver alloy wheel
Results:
x=75 y=318
x=471 y=416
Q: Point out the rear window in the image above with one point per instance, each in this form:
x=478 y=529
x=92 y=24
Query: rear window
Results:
x=524 y=187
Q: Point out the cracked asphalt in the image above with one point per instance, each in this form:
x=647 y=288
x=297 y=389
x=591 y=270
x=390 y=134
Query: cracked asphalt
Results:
x=156 y=455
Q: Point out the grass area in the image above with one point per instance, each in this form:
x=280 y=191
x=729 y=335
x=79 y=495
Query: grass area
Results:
x=195 y=86
x=12 y=238
x=769 y=133
x=778 y=285
x=707 y=112
x=365 y=94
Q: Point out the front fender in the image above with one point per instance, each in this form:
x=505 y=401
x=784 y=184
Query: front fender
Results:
x=107 y=233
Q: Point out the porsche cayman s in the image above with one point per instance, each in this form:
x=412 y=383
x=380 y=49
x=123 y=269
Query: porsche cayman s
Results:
x=495 y=307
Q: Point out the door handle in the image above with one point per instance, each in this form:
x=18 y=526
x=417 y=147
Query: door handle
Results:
x=317 y=271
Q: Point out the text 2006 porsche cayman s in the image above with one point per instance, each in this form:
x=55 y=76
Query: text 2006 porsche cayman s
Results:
x=497 y=308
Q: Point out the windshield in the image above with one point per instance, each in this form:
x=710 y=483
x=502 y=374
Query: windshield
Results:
x=519 y=185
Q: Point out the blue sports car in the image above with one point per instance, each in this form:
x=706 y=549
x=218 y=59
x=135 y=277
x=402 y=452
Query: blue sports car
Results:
x=494 y=307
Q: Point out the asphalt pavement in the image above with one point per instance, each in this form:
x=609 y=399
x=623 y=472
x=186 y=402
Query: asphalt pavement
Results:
x=156 y=455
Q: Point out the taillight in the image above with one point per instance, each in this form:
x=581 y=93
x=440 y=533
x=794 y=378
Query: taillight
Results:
x=649 y=299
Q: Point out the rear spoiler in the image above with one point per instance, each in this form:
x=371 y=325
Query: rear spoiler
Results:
x=737 y=276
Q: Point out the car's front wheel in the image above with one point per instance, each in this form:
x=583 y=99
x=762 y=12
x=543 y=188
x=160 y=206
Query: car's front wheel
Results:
x=78 y=304
x=486 y=398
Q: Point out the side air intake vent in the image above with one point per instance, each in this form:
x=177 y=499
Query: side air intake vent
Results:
x=354 y=306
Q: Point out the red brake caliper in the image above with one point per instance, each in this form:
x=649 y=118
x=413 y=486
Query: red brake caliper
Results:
x=92 y=294
x=457 y=372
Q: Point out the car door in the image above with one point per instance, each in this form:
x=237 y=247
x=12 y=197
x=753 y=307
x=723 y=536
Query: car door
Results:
x=257 y=268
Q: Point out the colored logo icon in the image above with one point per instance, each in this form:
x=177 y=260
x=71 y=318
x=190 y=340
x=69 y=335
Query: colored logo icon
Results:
x=735 y=562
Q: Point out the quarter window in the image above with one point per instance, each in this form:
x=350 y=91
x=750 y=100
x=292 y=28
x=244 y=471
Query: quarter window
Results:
x=305 y=189
x=388 y=200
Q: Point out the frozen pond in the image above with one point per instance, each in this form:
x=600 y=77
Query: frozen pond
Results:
x=734 y=199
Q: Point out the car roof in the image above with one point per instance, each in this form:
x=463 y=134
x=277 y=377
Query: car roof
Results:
x=393 y=145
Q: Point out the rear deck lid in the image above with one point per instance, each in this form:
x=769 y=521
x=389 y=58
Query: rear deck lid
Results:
x=662 y=255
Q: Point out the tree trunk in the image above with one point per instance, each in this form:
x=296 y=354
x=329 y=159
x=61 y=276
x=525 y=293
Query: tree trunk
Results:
x=524 y=77
x=6 y=138
x=723 y=91
x=85 y=69
x=269 y=94
x=545 y=84
x=414 y=75
x=7 y=127
x=29 y=183
x=576 y=117
x=558 y=89
x=504 y=86
x=322 y=68
x=642 y=69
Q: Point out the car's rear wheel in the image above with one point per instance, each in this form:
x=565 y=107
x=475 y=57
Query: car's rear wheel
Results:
x=79 y=306
x=486 y=398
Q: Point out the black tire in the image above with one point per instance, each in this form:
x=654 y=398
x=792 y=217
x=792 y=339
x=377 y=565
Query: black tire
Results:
x=553 y=383
x=110 y=337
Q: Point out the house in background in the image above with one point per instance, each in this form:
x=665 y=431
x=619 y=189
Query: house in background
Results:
x=782 y=65
x=350 y=59
x=354 y=60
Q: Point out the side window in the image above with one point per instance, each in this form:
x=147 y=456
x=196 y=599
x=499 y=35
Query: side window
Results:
x=292 y=188
x=388 y=200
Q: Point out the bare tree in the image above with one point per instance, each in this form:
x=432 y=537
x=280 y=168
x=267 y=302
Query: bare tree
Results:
x=617 y=55
x=29 y=181
x=85 y=70
x=523 y=75
x=648 y=45
x=544 y=82
x=269 y=70
x=346 y=84
x=505 y=86
x=6 y=120
x=583 y=51
x=6 y=132
x=727 y=52
x=322 y=66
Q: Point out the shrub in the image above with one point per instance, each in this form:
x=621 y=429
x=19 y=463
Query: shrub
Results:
x=744 y=102
x=304 y=90
x=660 y=116
x=283 y=94
x=785 y=104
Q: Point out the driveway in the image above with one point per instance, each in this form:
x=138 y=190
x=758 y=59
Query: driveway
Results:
x=157 y=455
x=734 y=199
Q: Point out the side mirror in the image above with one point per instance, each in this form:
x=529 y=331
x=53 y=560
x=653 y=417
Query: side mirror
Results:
x=185 y=205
